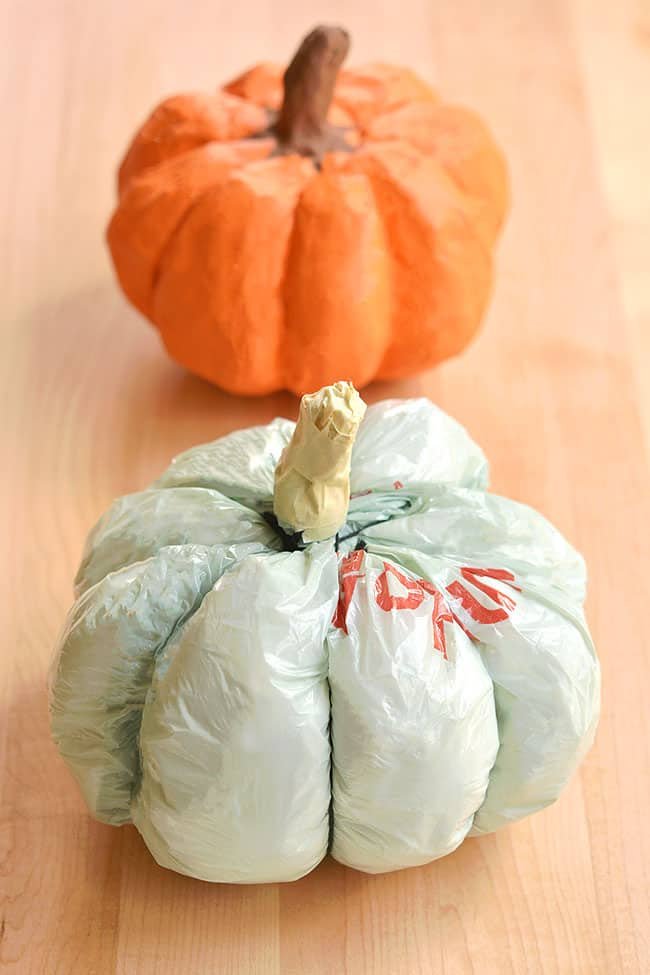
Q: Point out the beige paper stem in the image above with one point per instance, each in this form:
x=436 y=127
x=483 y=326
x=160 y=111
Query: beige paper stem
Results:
x=312 y=479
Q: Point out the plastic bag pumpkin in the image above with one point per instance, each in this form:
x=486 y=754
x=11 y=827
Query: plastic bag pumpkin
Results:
x=242 y=688
x=345 y=227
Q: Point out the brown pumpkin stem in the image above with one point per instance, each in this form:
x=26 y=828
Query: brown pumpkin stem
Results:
x=302 y=125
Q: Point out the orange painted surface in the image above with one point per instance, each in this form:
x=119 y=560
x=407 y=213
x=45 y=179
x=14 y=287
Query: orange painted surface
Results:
x=266 y=273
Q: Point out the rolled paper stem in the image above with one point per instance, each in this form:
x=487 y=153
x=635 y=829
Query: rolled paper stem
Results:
x=301 y=125
x=312 y=479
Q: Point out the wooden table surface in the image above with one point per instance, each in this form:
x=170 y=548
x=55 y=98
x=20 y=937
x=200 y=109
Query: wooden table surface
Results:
x=556 y=391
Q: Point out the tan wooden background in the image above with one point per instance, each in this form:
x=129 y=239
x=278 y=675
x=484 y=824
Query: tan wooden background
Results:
x=556 y=390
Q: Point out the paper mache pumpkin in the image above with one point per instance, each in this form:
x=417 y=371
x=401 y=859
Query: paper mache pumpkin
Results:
x=294 y=642
x=286 y=230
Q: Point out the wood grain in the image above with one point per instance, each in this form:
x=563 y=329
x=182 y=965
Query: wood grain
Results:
x=555 y=390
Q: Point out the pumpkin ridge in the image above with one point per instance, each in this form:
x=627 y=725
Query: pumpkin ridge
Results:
x=379 y=174
x=388 y=110
x=440 y=111
x=125 y=516
x=403 y=140
x=197 y=201
x=157 y=268
x=406 y=140
x=284 y=372
x=115 y=814
x=350 y=111
x=374 y=179
x=386 y=89
x=271 y=71
x=139 y=142
x=307 y=370
x=145 y=304
x=272 y=186
x=483 y=195
x=160 y=649
x=175 y=628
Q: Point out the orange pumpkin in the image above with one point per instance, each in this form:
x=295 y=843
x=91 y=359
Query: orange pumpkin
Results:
x=288 y=230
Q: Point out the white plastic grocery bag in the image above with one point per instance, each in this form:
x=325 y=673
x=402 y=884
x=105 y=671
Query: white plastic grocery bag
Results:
x=251 y=693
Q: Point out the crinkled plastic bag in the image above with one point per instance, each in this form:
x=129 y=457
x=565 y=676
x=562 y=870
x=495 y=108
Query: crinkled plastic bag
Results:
x=425 y=675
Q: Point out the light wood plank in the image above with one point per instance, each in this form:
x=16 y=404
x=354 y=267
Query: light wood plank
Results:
x=554 y=390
